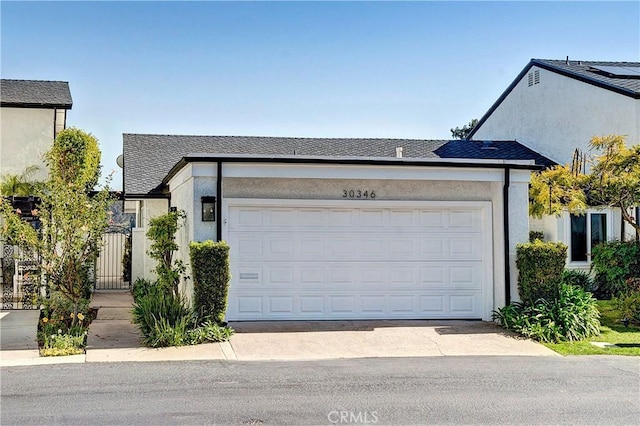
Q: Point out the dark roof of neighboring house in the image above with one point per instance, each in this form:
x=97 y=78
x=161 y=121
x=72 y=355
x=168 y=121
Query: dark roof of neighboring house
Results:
x=149 y=158
x=583 y=71
x=35 y=94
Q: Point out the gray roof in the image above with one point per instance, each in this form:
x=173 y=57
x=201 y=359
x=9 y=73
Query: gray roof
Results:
x=35 y=93
x=149 y=158
x=585 y=71
x=578 y=70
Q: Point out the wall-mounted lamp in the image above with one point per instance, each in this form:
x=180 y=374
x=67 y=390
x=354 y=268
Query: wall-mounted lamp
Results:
x=208 y=209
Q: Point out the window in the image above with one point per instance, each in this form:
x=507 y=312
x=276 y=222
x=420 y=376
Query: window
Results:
x=587 y=231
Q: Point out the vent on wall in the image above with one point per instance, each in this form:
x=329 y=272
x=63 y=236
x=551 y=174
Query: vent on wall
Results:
x=533 y=77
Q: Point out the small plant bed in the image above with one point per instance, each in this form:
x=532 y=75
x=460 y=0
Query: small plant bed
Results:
x=612 y=330
x=61 y=331
x=165 y=319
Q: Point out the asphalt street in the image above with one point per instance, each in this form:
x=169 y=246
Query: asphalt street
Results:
x=426 y=391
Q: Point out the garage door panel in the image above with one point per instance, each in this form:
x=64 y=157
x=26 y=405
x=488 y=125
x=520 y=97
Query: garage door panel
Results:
x=345 y=263
x=247 y=217
x=401 y=304
x=312 y=305
x=463 y=303
x=341 y=217
x=432 y=304
x=280 y=305
x=372 y=304
x=244 y=306
x=342 y=304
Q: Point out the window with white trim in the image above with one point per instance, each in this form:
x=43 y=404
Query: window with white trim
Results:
x=587 y=231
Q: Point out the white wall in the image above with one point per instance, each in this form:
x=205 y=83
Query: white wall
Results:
x=561 y=114
x=141 y=264
x=25 y=135
x=187 y=187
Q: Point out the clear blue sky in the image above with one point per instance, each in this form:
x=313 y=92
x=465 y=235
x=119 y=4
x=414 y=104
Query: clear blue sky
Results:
x=321 y=69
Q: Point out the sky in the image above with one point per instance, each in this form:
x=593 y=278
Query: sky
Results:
x=301 y=69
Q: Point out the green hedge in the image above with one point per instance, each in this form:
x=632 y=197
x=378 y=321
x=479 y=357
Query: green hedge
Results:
x=210 y=272
x=540 y=267
x=614 y=263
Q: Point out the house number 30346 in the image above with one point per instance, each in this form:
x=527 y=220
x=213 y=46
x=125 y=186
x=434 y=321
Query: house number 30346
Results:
x=358 y=193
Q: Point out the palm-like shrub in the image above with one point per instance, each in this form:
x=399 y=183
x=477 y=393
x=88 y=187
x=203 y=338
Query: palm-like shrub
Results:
x=160 y=315
x=571 y=316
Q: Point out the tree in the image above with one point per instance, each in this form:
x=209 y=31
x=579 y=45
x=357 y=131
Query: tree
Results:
x=72 y=219
x=162 y=232
x=612 y=181
x=463 y=132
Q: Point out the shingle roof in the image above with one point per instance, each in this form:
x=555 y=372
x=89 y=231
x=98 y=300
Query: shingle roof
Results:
x=35 y=93
x=149 y=158
x=585 y=71
x=579 y=70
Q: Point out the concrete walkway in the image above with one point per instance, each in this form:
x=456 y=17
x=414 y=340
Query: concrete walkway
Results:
x=113 y=338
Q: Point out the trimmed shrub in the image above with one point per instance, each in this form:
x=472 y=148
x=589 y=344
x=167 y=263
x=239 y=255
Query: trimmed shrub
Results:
x=572 y=316
x=578 y=278
x=211 y=275
x=536 y=235
x=540 y=267
x=614 y=263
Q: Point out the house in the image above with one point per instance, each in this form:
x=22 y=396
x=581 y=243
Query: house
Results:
x=556 y=106
x=341 y=228
x=32 y=113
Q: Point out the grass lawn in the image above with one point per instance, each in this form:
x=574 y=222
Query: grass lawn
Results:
x=612 y=331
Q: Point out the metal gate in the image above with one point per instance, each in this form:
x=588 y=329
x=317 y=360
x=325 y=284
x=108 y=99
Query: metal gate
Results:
x=20 y=279
x=113 y=266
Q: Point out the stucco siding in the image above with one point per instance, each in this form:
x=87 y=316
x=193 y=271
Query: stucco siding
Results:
x=561 y=114
x=142 y=265
x=319 y=189
x=27 y=133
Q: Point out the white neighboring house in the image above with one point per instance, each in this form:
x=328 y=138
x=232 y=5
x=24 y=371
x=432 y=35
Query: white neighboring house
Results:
x=556 y=106
x=325 y=229
x=32 y=113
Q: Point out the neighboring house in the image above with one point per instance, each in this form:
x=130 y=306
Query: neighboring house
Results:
x=556 y=106
x=32 y=113
x=341 y=228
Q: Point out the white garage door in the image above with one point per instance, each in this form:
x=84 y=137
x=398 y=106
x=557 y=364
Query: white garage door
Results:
x=367 y=260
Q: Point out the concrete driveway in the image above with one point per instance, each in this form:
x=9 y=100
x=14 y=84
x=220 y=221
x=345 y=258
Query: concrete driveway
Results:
x=113 y=338
x=284 y=340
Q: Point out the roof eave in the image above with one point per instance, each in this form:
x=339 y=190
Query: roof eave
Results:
x=584 y=79
x=34 y=105
x=502 y=97
x=404 y=162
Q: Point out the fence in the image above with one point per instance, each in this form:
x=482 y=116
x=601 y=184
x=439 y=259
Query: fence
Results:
x=113 y=266
x=20 y=279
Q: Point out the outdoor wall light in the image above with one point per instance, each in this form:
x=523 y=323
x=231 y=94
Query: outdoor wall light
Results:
x=208 y=209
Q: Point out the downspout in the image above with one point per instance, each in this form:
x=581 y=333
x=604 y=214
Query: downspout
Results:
x=219 y=202
x=55 y=122
x=505 y=222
